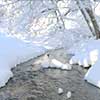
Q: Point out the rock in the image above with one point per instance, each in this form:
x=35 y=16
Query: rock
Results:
x=69 y=94
x=60 y=91
x=9 y=98
x=31 y=98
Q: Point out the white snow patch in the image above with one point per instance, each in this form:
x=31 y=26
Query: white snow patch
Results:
x=60 y=91
x=13 y=51
x=92 y=76
x=69 y=94
x=89 y=54
x=54 y=63
x=57 y=64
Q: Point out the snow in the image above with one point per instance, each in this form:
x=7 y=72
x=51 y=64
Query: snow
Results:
x=60 y=91
x=54 y=63
x=93 y=74
x=69 y=94
x=57 y=64
x=14 y=51
x=89 y=54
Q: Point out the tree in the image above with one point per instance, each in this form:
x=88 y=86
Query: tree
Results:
x=87 y=11
x=29 y=16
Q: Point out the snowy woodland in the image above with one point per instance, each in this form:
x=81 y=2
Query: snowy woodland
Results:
x=36 y=26
x=60 y=19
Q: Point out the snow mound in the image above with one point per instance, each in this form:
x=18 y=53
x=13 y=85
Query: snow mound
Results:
x=54 y=63
x=92 y=76
x=87 y=53
x=13 y=51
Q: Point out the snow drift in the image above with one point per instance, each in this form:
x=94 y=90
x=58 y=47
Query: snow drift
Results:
x=88 y=53
x=93 y=75
x=13 y=51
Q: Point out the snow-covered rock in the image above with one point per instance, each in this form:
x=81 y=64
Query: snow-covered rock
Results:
x=54 y=63
x=57 y=64
x=69 y=94
x=66 y=66
x=60 y=91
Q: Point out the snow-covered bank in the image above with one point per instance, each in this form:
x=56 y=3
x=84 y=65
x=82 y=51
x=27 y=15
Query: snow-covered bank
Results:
x=17 y=50
x=88 y=53
x=93 y=74
x=14 y=51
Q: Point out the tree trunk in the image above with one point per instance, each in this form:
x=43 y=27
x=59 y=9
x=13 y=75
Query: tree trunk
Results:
x=94 y=23
x=87 y=12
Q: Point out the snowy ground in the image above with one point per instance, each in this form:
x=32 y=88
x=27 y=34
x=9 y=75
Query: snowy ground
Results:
x=30 y=82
